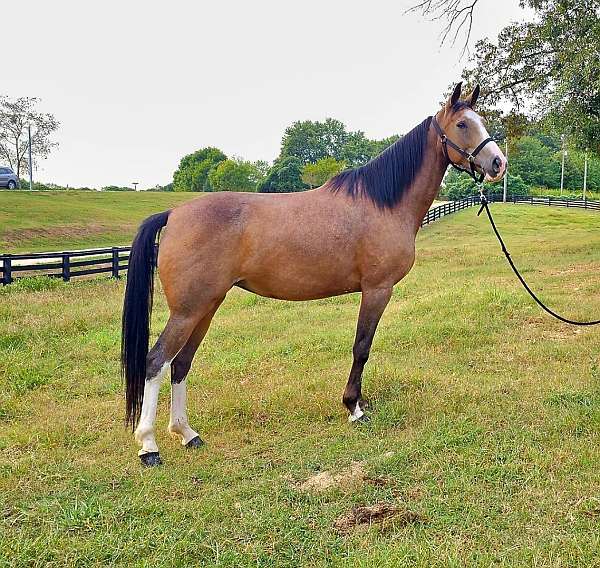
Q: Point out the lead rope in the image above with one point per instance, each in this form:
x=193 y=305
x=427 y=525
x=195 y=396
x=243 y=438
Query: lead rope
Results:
x=484 y=206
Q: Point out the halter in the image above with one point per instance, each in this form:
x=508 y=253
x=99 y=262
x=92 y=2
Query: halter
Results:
x=469 y=156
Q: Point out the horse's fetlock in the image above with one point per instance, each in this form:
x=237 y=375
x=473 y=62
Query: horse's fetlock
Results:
x=142 y=432
x=350 y=401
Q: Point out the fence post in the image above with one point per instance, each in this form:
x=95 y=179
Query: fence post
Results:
x=115 y=262
x=7 y=273
x=66 y=268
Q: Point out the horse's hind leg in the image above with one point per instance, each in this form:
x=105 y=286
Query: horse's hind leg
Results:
x=171 y=341
x=178 y=423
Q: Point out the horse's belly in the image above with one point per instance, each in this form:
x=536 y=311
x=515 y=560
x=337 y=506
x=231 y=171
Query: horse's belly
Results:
x=290 y=283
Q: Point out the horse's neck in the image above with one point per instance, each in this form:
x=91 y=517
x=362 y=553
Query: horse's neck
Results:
x=426 y=184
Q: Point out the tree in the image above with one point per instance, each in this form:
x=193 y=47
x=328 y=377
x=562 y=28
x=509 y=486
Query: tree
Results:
x=358 y=149
x=318 y=173
x=284 y=176
x=192 y=174
x=310 y=141
x=379 y=146
x=574 y=165
x=235 y=175
x=535 y=163
x=457 y=186
x=158 y=187
x=117 y=188
x=549 y=67
x=15 y=116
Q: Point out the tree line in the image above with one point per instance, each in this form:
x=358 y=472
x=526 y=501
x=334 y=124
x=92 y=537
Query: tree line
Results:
x=311 y=153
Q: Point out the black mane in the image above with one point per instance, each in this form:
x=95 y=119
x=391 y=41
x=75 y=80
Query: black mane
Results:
x=386 y=176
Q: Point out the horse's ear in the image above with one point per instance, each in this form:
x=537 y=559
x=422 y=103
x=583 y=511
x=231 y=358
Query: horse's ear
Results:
x=473 y=97
x=454 y=96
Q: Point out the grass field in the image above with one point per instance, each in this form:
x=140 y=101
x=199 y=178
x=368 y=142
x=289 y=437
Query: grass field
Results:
x=484 y=437
x=32 y=221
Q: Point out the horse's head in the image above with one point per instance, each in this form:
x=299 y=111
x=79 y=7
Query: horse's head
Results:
x=464 y=128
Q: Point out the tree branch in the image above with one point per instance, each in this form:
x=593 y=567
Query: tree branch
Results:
x=457 y=13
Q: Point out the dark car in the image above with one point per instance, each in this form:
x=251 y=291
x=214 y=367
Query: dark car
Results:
x=8 y=178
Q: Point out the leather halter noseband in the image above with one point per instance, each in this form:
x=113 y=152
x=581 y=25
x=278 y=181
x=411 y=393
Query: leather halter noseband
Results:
x=469 y=156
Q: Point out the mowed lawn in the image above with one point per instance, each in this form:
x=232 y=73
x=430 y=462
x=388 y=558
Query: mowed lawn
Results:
x=32 y=221
x=484 y=438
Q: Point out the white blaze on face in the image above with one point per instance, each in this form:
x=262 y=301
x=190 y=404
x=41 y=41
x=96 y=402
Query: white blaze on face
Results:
x=489 y=152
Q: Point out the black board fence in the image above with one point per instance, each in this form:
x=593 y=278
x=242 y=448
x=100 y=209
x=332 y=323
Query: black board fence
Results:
x=447 y=208
x=113 y=261
x=66 y=264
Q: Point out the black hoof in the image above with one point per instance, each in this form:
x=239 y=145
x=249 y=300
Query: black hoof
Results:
x=195 y=443
x=151 y=459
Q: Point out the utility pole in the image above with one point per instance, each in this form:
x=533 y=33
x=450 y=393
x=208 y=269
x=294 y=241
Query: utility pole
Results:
x=30 y=162
x=562 y=171
x=506 y=172
x=585 y=173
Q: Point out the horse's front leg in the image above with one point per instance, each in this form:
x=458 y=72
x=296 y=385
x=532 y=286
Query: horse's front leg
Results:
x=372 y=306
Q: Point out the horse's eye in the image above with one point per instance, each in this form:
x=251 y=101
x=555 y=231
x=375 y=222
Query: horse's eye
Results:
x=461 y=125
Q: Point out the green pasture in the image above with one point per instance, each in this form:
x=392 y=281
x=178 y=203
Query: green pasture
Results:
x=32 y=221
x=484 y=438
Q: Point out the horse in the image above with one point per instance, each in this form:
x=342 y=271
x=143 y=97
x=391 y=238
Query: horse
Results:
x=355 y=233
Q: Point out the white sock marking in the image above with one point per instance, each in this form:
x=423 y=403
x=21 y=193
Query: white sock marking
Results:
x=356 y=414
x=179 y=420
x=144 y=433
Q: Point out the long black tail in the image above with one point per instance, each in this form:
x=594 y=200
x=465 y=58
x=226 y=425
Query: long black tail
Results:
x=137 y=309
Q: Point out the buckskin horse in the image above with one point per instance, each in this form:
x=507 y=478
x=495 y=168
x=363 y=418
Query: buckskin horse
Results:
x=356 y=233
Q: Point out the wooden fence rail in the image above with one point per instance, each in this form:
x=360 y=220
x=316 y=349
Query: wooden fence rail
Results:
x=114 y=260
x=65 y=264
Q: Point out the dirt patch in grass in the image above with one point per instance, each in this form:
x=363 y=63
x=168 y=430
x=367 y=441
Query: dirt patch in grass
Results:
x=325 y=480
x=351 y=476
x=575 y=269
x=542 y=325
x=375 y=514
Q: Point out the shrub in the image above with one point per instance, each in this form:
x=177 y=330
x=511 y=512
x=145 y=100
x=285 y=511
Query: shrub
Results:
x=457 y=186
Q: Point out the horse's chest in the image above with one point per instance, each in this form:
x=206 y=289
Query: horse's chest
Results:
x=388 y=264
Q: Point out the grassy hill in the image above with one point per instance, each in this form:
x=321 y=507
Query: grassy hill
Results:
x=59 y=220
x=483 y=444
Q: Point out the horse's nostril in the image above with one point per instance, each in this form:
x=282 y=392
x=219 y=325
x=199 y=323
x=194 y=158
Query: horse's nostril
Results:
x=496 y=164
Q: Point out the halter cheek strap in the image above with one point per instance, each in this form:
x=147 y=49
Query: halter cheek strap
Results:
x=470 y=156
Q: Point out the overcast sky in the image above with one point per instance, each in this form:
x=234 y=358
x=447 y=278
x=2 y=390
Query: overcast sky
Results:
x=137 y=85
